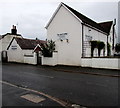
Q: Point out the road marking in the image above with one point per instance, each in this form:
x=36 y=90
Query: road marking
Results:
x=33 y=98
x=61 y=102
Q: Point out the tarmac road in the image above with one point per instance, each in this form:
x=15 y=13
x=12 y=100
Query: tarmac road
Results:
x=82 y=89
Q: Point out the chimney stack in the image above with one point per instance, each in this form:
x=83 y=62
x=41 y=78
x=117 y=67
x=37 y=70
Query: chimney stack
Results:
x=14 y=30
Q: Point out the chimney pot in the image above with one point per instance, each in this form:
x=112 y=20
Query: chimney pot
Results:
x=14 y=30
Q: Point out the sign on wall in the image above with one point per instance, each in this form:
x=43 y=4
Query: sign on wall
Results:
x=14 y=47
x=88 y=38
x=62 y=36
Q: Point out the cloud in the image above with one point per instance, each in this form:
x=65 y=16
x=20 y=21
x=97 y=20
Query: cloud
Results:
x=33 y=15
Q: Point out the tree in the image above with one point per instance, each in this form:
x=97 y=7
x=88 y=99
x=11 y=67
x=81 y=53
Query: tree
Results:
x=48 y=48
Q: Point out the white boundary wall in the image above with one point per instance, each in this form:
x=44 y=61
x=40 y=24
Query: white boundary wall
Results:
x=18 y=56
x=105 y=63
x=108 y=63
x=31 y=60
x=50 y=61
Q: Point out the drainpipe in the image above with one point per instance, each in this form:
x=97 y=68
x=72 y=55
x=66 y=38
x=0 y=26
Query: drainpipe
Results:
x=82 y=41
x=114 y=34
x=107 y=45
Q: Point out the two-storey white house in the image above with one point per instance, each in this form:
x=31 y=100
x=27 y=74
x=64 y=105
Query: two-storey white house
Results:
x=72 y=33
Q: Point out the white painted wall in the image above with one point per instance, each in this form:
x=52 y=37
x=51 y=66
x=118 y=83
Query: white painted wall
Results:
x=18 y=55
x=96 y=35
x=15 y=55
x=108 y=63
x=31 y=60
x=4 y=42
x=86 y=62
x=69 y=53
x=51 y=61
x=110 y=40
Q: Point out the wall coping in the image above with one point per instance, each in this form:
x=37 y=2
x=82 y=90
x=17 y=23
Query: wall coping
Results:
x=102 y=57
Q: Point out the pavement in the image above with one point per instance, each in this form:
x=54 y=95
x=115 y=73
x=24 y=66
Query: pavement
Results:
x=85 y=70
x=79 y=69
x=21 y=97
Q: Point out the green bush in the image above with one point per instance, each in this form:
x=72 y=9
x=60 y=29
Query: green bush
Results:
x=97 y=44
x=100 y=46
x=93 y=46
x=48 y=48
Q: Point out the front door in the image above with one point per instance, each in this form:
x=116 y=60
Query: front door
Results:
x=4 y=56
x=39 y=58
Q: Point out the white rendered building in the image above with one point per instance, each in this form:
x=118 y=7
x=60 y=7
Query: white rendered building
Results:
x=23 y=50
x=72 y=33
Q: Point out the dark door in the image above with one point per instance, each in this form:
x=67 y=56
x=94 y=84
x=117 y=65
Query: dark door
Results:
x=39 y=58
x=4 y=56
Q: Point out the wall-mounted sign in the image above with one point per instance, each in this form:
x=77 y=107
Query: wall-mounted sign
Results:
x=14 y=47
x=62 y=36
x=88 y=38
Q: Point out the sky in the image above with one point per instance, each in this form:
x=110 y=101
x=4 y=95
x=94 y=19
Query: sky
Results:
x=31 y=16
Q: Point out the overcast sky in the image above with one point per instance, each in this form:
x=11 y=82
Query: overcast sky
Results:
x=31 y=16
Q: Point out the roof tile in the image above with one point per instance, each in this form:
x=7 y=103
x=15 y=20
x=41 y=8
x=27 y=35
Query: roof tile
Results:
x=28 y=43
x=103 y=27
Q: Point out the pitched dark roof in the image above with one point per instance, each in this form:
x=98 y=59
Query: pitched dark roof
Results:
x=106 y=25
x=27 y=43
x=87 y=20
x=10 y=34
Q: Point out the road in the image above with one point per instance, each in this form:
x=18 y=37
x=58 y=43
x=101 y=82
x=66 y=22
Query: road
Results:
x=75 y=88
